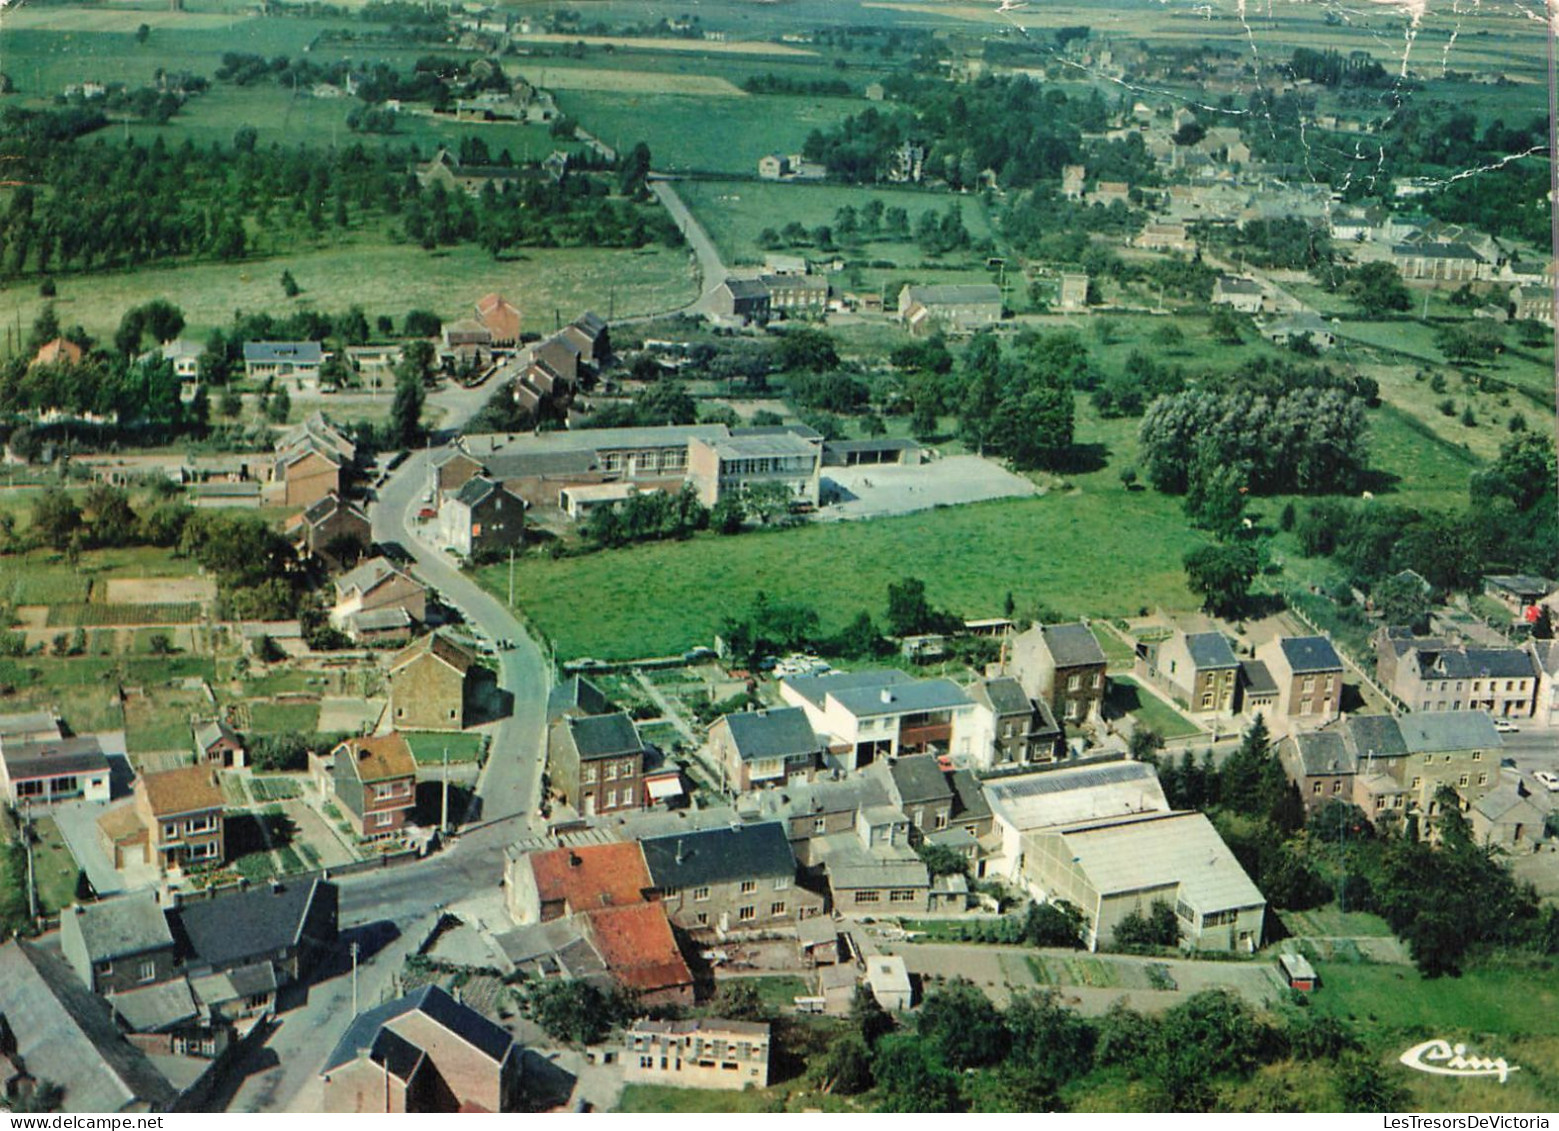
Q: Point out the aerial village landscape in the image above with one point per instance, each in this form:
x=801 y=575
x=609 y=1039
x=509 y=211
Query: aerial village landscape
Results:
x=777 y=555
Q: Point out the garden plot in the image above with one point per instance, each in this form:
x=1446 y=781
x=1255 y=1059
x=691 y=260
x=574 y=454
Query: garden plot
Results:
x=161 y=590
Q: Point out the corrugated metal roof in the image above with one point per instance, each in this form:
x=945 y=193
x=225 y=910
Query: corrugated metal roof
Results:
x=1078 y=793
x=1169 y=848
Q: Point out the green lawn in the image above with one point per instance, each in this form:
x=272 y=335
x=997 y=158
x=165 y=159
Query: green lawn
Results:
x=707 y=134
x=1149 y=709
x=1331 y=922
x=735 y=212
x=278 y=718
x=54 y=868
x=428 y=746
x=1098 y=552
x=783 y=1098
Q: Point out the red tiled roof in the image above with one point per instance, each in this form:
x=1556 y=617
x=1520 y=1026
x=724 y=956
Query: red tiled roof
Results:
x=58 y=351
x=500 y=317
x=591 y=876
x=380 y=758
x=638 y=947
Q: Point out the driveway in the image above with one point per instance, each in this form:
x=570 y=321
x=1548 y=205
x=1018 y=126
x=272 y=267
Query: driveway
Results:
x=876 y=492
x=710 y=266
x=77 y=821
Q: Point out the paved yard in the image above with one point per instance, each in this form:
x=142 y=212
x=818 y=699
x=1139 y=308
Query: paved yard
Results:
x=77 y=821
x=314 y=829
x=876 y=492
x=348 y=715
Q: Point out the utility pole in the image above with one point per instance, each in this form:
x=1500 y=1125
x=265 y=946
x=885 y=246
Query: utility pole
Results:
x=443 y=816
x=32 y=887
x=354 y=979
x=511 y=577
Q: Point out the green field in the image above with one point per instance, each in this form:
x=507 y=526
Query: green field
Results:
x=1101 y=553
x=688 y=133
x=54 y=868
x=735 y=212
x=428 y=747
x=383 y=279
x=1149 y=709
x=281 y=718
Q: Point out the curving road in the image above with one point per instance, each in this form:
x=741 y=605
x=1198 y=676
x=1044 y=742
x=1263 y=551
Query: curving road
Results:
x=707 y=255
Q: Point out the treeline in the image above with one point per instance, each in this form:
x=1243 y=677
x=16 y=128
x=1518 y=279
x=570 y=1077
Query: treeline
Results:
x=962 y=1053
x=434 y=79
x=770 y=83
x=1509 y=526
x=1286 y=242
x=1041 y=131
x=1331 y=68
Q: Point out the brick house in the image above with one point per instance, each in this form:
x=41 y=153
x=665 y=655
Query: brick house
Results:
x=742 y=298
x=118 y=944
x=1431 y=674
x=639 y=948
x=597 y=763
x=1198 y=668
x=1063 y=665
x=1308 y=673
x=1009 y=730
x=542 y=886
x=333 y=530
x=377 y=584
x=181 y=811
x=481 y=518
x=308 y=474
x=428 y=680
x=218 y=745
x=376 y=783
x=1321 y=765
x=425 y=1052
x=765 y=747
x=736 y=878
x=500 y=317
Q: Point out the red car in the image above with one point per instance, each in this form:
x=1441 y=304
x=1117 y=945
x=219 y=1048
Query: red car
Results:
x=427 y=513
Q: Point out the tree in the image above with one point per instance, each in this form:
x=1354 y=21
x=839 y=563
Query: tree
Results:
x=1159 y=927
x=1048 y=1041
x=909 y=612
x=1377 y=289
x=846 y=1068
x=406 y=409
x=421 y=324
x=573 y=1011
x=1215 y=494
x=1035 y=431
x=279 y=407
x=1363 y=1086
x=740 y=1000
x=1054 y=923
x=1224 y=326
x=55 y=517
x=1403 y=599
x=962 y=1025
x=232 y=402
x=911 y=1079
x=941 y=860
x=1222 y=575
x=289 y=285
x=143 y=33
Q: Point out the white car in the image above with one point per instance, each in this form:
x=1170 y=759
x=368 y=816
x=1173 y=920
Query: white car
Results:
x=1505 y=726
x=1547 y=780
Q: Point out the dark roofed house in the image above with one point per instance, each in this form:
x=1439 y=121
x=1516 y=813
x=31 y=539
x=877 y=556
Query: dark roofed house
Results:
x=481 y=518
x=770 y=747
x=429 y=683
x=1014 y=730
x=335 y=531
x=1258 y=690
x=290 y=926
x=576 y=696
x=742 y=298
x=63 y=1033
x=597 y=762
x=298 y=362
x=956 y=307
x=118 y=944
x=425 y=1052
x=1198 y=668
x=1321 y=766
x=920 y=789
x=1517 y=592
x=740 y=877
x=1063 y=665
x=1308 y=673
x=47 y=770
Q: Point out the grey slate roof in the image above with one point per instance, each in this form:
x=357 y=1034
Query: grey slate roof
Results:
x=1476 y=663
x=474 y=490
x=955 y=294
x=367 y=576
x=465 y=1022
x=81 y=755
x=1004 y=695
x=746 y=288
x=1375 y=734
x=713 y=856
x=902 y=698
x=577 y=693
x=1325 y=752
x=211 y=731
x=150 y=1009
x=918 y=778
x=1257 y=678
x=602 y=736
x=1210 y=650
x=1520 y=584
x=1310 y=654
x=1434 y=732
x=969 y=802
x=127 y=925
x=816 y=688
x=255 y=923
x=779 y=732
x=66 y=1033
x=1072 y=645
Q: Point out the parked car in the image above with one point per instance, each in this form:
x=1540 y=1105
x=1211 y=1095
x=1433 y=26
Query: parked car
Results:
x=1547 y=780
x=1505 y=726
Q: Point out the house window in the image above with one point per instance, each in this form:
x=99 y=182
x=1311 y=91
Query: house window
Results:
x=1477 y=755
x=148 y=971
x=819 y=824
x=1462 y=780
x=383 y=819
x=781 y=883
x=746 y=914
x=1337 y=787
x=867 y=896
x=1317 y=788
x=611 y=798
x=940 y=821
x=749 y=886
x=1309 y=684
x=777 y=908
x=1483 y=779
x=703 y=918
x=700 y=895
x=1418 y=782
x=588 y=776
x=1380 y=803
x=1074 y=682
x=611 y=771
x=1428 y=758
x=901 y=896
x=170 y=831
x=646 y=1062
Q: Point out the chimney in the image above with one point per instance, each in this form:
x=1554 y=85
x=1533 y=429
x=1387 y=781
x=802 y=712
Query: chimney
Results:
x=574 y=859
x=887 y=695
x=679 y=850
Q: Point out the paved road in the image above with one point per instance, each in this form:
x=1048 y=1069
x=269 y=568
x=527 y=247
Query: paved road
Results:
x=710 y=265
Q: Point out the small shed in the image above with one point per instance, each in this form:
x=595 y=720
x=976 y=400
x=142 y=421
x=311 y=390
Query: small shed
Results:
x=888 y=977
x=817 y=939
x=1298 y=972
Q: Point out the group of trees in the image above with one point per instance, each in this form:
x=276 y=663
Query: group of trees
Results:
x=1019 y=404
x=962 y=1053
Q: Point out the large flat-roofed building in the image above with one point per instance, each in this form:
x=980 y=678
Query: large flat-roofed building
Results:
x=882 y=713
x=721 y=468
x=1072 y=795
x=1112 y=868
x=46 y=770
x=705 y=1052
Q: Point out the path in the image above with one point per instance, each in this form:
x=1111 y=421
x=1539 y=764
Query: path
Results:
x=710 y=266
